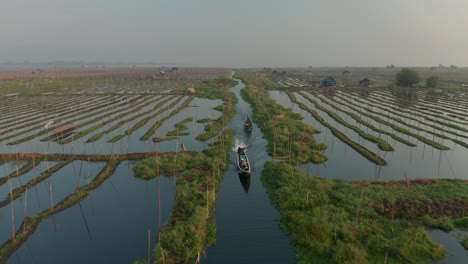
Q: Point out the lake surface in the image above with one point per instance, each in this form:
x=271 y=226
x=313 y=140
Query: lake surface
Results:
x=109 y=226
x=247 y=224
x=112 y=223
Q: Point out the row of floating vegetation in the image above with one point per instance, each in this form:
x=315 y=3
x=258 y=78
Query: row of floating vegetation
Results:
x=369 y=155
x=152 y=130
x=397 y=111
x=20 y=190
x=395 y=127
x=191 y=226
x=367 y=124
x=30 y=223
x=217 y=90
x=145 y=120
x=118 y=111
x=30 y=164
x=86 y=114
x=180 y=128
x=97 y=136
x=288 y=137
x=131 y=109
x=382 y=144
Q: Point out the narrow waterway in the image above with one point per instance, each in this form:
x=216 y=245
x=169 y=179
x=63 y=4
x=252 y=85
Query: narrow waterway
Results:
x=247 y=224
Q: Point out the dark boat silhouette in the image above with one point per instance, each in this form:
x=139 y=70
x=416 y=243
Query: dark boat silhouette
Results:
x=245 y=181
x=248 y=124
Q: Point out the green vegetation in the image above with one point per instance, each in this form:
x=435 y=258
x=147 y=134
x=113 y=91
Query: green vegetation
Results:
x=181 y=129
x=38 y=86
x=407 y=77
x=122 y=122
x=219 y=91
x=159 y=123
x=371 y=156
x=62 y=118
x=341 y=222
x=382 y=144
x=31 y=223
x=369 y=125
x=213 y=89
x=161 y=139
x=31 y=164
x=432 y=81
x=398 y=128
x=288 y=138
x=44 y=175
x=461 y=222
x=191 y=226
x=116 y=138
x=145 y=120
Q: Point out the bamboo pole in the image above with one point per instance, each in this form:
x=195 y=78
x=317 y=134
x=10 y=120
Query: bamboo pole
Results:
x=13 y=237
x=149 y=246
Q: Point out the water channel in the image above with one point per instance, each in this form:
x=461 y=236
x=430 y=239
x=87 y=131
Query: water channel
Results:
x=247 y=224
x=112 y=223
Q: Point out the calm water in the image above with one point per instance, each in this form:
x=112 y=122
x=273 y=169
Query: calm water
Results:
x=247 y=224
x=111 y=225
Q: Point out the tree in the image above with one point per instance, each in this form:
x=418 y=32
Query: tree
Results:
x=407 y=77
x=432 y=81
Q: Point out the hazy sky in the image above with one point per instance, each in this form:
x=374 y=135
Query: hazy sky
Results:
x=237 y=33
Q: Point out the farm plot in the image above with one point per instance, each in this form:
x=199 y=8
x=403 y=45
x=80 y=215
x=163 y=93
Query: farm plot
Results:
x=422 y=148
x=63 y=120
x=43 y=191
x=46 y=188
x=438 y=130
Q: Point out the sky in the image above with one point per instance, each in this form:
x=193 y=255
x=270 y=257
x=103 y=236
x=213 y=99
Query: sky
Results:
x=240 y=33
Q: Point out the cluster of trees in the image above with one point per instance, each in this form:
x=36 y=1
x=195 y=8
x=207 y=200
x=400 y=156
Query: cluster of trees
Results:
x=408 y=78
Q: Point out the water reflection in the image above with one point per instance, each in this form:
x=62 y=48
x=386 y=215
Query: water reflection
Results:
x=405 y=98
x=245 y=181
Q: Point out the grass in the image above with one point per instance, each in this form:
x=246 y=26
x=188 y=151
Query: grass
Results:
x=287 y=136
x=341 y=222
x=213 y=89
x=31 y=164
x=109 y=106
x=398 y=128
x=369 y=125
x=382 y=144
x=31 y=87
x=181 y=128
x=44 y=175
x=161 y=139
x=369 y=155
x=145 y=120
x=97 y=136
x=159 y=123
x=191 y=225
x=219 y=90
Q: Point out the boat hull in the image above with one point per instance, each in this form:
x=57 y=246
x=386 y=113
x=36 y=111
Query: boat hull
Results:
x=243 y=164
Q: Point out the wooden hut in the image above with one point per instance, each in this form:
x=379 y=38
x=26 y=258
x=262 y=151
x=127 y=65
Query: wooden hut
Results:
x=328 y=81
x=365 y=82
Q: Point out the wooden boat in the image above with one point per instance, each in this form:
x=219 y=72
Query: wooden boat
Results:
x=243 y=164
x=248 y=124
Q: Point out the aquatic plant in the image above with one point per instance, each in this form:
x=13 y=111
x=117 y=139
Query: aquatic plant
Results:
x=342 y=222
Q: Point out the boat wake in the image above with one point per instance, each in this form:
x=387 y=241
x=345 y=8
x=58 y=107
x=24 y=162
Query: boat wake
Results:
x=238 y=143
